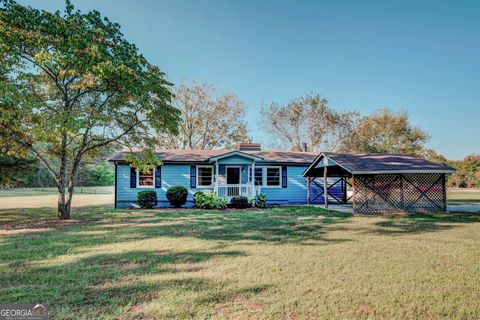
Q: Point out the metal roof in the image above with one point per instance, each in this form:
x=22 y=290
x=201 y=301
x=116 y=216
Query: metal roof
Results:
x=192 y=156
x=374 y=163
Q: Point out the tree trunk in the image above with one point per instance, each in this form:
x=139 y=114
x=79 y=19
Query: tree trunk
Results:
x=63 y=212
x=71 y=187
x=68 y=203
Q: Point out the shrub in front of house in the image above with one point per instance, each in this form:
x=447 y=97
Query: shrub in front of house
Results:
x=177 y=195
x=209 y=201
x=147 y=199
x=195 y=196
x=240 y=202
x=261 y=201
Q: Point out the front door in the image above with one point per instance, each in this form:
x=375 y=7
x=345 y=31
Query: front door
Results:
x=233 y=175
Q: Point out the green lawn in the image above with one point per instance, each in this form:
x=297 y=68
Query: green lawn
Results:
x=467 y=196
x=279 y=263
x=27 y=192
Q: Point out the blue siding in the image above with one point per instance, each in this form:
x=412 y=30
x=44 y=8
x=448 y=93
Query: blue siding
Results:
x=176 y=174
x=172 y=175
x=296 y=191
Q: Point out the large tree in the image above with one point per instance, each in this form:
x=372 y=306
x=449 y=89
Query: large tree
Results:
x=71 y=84
x=386 y=132
x=209 y=120
x=309 y=120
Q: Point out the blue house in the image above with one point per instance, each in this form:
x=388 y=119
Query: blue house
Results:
x=246 y=171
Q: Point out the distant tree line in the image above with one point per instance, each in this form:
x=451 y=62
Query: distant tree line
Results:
x=28 y=173
x=467 y=174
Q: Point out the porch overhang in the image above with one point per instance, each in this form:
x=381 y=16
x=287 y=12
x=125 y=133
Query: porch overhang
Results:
x=233 y=154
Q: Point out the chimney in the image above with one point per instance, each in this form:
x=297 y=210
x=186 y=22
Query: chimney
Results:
x=305 y=146
x=249 y=147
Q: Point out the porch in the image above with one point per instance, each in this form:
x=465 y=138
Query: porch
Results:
x=234 y=175
x=229 y=191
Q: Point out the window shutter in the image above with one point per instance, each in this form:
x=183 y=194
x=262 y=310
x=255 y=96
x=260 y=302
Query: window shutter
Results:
x=158 y=177
x=193 y=176
x=133 y=177
x=284 y=176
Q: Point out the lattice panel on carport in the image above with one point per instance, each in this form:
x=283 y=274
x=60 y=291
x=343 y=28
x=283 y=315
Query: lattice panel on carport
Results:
x=399 y=193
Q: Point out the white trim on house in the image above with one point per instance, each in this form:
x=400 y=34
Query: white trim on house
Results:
x=264 y=177
x=197 y=176
x=144 y=186
x=235 y=153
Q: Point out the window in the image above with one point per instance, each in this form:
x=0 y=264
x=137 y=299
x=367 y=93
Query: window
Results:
x=273 y=177
x=204 y=176
x=146 y=179
x=258 y=176
x=267 y=176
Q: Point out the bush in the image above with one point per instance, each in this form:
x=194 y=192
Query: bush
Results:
x=209 y=201
x=240 y=202
x=195 y=196
x=177 y=195
x=261 y=201
x=147 y=199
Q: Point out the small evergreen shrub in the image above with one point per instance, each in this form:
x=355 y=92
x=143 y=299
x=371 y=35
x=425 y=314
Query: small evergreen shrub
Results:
x=147 y=199
x=240 y=202
x=261 y=201
x=209 y=201
x=177 y=195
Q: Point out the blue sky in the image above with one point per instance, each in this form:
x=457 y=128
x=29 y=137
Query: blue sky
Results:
x=422 y=57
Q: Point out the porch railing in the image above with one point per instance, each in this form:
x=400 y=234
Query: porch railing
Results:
x=229 y=191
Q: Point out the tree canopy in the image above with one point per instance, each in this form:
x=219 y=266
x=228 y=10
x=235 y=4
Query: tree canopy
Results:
x=310 y=120
x=385 y=131
x=70 y=84
x=209 y=120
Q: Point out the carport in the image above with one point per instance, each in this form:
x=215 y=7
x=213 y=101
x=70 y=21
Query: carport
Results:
x=380 y=183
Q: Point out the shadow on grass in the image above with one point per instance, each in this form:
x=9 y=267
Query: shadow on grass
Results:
x=112 y=285
x=281 y=224
x=18 y=217
x=301 y=225
x=421 y=223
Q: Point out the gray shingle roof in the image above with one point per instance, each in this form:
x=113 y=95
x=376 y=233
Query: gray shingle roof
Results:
x=364 y=163
x=192 y=156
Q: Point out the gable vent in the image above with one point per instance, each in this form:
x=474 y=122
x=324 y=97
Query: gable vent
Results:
x=250 y=147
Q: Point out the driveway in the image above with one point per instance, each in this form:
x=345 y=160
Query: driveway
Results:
x=472 y=207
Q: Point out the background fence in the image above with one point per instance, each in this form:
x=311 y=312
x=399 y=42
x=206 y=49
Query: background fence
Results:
x=45 y=191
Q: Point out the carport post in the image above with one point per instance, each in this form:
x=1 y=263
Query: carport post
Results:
x=325 y=186
x=308 y=189
x=353 y=191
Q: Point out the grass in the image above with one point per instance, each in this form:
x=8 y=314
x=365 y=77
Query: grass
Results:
x=50 y=201
x=279 y=263
x=465 y=196
x=27 y=192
